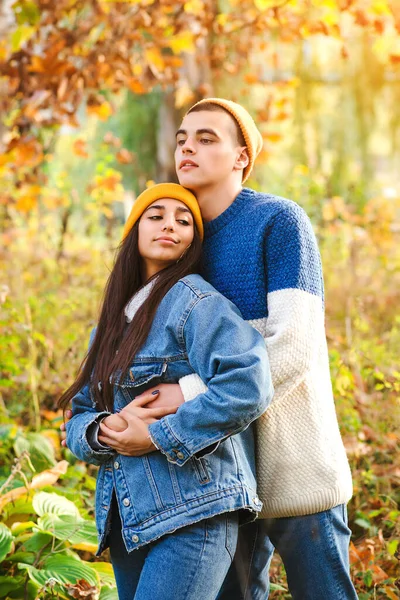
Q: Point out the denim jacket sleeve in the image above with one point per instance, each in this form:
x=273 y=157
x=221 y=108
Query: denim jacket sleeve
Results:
x=230 y=356
x=84 y=415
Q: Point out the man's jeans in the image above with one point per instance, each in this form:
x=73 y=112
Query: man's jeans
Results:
x=189 y=564
x=314 y=550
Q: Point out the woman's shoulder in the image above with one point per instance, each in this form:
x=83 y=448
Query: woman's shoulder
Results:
x=196 y=286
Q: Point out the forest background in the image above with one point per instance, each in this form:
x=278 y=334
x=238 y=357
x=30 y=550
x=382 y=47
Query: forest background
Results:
x=91 y=94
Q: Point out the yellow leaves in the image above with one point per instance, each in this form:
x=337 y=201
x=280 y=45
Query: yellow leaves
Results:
x=380 y=7
x=28 y=198
x=272 y=137
x=124 y=157
x=184 y=96
x=154 y=58
x=103 y=111
x=251 y=78
x=182 y=42
x=22 y=34
x=79 y=148
x=302 y=170
x=334 y=208
x=194 y=7
x=26 y=153
x=136 y=86
x=265 y=4
x=43 y=479
x=26 y=203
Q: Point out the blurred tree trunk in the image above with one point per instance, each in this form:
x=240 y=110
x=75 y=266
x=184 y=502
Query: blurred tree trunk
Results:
x=196 y=74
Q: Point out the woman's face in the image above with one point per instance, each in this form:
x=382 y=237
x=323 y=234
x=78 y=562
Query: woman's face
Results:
x=166 y=230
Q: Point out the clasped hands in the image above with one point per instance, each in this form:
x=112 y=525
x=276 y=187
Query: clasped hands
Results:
x=127 y=432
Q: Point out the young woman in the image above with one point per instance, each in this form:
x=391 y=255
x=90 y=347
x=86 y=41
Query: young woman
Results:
x=191 y=474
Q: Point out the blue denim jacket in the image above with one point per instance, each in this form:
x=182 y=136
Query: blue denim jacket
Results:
x=205 y=463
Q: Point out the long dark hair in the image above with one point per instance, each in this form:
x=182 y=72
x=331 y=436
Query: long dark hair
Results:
x=115 y=343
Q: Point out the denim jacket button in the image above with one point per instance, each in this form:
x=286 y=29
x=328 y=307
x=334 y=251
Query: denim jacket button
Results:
x=180 y=455
x=125 y=502
x=135 y=538
x=116 y=465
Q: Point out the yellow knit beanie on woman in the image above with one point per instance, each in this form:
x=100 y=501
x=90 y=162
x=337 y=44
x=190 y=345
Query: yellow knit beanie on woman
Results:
x=164 y=190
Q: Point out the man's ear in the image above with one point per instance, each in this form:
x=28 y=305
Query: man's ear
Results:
x=242 y=159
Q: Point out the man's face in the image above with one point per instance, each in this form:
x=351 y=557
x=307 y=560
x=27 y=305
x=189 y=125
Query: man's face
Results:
x=207 y=149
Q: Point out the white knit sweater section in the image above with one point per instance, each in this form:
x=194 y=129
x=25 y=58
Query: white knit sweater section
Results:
x=302 y=466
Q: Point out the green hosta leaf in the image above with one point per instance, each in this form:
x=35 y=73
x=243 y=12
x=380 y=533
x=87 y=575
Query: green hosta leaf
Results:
x=26 y=557
x=20 y=506
x=275 y=587
x=53 y=504
x=8 y=432
x=40 y=450
x=105 y=572
x=108 y=594
x=36 y=542
x=9 y=584
x=18 y=528
x=6 y=541
x=68 y=528
x=63 y=569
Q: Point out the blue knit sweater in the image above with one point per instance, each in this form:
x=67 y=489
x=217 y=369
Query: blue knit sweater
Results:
x=262 y=254
x=259 y=245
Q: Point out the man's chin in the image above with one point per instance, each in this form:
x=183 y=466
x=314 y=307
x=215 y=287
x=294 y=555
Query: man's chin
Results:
x=188 y=181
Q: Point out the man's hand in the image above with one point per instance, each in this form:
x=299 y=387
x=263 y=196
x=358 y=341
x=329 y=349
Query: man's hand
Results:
x=169 y=396
x=143 y=408
x=134 y=441
x=115 y=422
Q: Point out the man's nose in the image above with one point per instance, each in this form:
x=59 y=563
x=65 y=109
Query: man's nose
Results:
x=188 y=147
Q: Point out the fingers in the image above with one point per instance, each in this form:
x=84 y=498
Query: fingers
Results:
x=62 y=426
x=68 y=413
x=145 y=398
x=161 y=411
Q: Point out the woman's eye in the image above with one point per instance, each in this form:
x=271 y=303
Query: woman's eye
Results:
x=180 y=142
x=183 y=222
x=205 y=141
x=155 y=217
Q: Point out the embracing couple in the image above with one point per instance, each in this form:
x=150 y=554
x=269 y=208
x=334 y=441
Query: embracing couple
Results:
x=208 y=402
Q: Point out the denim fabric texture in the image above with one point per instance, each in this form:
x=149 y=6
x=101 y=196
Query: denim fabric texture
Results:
x=315 y=551
x=205 y=464
x=188 y=565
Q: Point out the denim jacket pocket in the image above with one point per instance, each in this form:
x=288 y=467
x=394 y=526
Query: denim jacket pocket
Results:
x=140 y=377
x=201 y=470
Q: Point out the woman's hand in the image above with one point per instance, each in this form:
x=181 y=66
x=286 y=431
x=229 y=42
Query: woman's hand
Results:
x=133 y=441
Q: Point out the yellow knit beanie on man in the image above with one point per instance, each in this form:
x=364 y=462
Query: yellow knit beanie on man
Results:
x=252 y=136
x=157 y=192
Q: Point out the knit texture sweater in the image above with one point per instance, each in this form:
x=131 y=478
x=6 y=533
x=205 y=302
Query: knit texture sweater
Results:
x=262 y=254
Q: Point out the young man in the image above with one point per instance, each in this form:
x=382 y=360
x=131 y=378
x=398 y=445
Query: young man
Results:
x=261 y=253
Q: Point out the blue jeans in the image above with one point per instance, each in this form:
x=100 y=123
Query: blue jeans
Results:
x=314 y=550
x=188 y=564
